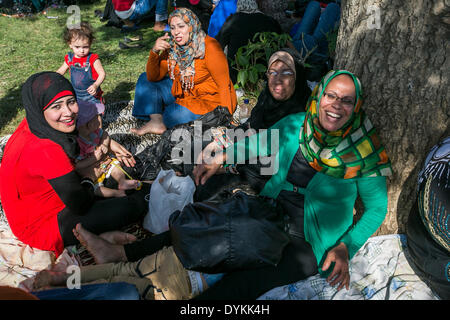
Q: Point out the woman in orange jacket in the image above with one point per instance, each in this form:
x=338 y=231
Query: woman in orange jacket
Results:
x=186 y=76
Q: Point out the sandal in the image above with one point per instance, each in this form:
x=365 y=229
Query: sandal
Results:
x=123 y=45
x=133 y=39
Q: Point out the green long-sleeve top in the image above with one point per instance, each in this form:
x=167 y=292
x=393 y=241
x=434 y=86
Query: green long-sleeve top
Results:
x=329 y=202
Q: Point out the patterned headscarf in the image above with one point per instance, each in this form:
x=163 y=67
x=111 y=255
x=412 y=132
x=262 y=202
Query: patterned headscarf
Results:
x=184 y=55
x=247 y=6
x=352 y=151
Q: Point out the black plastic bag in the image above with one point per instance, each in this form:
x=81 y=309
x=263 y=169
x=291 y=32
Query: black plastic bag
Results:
x=159 y=155
x=241 y=232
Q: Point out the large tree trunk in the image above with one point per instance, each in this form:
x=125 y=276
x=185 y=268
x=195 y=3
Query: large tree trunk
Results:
x=400 y=51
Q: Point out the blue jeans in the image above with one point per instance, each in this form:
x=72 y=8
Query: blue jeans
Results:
x=313 y=29
x=143 y=7
x=156 y=98
x=100 y=291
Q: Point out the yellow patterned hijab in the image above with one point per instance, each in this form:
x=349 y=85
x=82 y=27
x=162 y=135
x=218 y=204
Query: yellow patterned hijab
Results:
x=353 y=151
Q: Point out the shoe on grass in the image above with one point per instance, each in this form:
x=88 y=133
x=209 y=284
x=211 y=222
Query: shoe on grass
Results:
x=123 y=45
x=132 y=39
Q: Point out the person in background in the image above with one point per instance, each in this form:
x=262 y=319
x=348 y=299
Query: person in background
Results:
x=277 y=10
x=223 y=9
x=132 y=12
x=201 y=8
x=198 y=78
x=311 y=32
x=86 y=70
x=241 y=26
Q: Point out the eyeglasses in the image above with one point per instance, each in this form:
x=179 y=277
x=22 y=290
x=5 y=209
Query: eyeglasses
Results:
x=283 y=74
x=347 y=102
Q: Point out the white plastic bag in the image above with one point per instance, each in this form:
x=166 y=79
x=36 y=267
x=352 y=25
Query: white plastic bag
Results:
x=168 y=194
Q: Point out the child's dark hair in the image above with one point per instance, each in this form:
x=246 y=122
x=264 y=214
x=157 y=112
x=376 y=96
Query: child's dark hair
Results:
x=83 y=31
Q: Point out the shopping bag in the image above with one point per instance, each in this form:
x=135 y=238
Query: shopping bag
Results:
x=168 y=194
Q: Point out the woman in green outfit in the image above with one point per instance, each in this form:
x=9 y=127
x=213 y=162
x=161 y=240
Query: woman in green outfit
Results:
x=325 y=158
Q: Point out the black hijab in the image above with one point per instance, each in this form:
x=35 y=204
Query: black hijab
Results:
x=268 y=110
x=38 y=92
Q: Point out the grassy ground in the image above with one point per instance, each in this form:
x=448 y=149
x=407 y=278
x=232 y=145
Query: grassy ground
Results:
x=34 y=44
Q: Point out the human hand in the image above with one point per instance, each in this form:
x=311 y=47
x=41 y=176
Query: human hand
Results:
x=208 y=164
x=95 y=170
x=99 y=153
x=340 y=274
x=92 y=89
x=161 y=44
x=122 y=154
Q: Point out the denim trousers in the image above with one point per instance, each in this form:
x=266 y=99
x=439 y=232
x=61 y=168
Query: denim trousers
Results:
x=313 y=29
x=143 y=7
x=99 y=291
x=156 y=98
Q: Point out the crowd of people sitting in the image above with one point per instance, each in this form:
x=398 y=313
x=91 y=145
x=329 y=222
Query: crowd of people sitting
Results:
x=59 y=159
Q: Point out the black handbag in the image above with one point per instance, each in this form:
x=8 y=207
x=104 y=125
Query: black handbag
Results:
x=240 y=232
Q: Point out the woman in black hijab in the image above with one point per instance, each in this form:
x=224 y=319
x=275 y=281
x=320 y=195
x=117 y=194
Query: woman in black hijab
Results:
x=41 y=193
x=286 y=91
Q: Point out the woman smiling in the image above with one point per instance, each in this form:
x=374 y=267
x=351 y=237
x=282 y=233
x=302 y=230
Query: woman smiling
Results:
x=198 y=79
x=327 y=157
x=42 y=194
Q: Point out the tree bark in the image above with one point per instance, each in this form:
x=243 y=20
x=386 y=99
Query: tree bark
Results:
x=400 y=51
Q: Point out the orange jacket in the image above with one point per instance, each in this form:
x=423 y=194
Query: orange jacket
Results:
x=212 y=84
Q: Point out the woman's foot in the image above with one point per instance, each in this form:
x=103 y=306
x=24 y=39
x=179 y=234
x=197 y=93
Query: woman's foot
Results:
x=155 y=127
x=49 y=278
x=102 y=250
x=118 y=237
x=159 y=26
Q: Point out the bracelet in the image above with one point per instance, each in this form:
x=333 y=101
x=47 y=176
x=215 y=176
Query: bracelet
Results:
x=88 y=181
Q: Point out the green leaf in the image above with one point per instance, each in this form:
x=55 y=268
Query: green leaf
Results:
x=260 y=67
x=243 y=60
x=242 y=77
x=253 y=75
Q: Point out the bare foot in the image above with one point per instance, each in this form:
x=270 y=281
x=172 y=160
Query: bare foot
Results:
x=159 y=26
x=102 y=250
x=49 y=278
x=118 y=237
x=149 y=127
x=128 y=184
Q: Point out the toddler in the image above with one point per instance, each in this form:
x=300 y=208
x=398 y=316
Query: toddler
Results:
x=86 y=71
x=95 y=149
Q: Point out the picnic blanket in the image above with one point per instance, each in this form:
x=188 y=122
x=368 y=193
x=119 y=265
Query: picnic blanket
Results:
x=379 y=270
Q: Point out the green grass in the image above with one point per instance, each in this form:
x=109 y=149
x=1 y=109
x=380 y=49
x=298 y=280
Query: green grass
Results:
x=33 y=44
